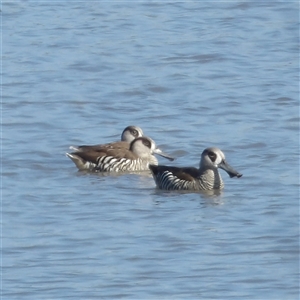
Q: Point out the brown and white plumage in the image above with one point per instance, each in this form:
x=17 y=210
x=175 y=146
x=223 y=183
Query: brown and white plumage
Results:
x=207 y=177
x=111 y=159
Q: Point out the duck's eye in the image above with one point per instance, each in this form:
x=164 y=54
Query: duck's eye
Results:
x=134 y=132
x=212 y=156
x=147 y=144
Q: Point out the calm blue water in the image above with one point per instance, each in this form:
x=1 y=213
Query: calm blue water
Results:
x=192 y=75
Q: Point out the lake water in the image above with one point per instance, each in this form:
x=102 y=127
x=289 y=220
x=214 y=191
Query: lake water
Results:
x=191 y=75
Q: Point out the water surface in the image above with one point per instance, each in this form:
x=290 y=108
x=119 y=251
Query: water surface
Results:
x=192 y=75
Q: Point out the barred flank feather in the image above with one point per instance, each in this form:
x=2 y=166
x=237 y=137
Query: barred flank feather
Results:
x=168 y=181
x=112 y=164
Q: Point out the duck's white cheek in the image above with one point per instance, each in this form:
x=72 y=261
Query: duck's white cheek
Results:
x=218 y=161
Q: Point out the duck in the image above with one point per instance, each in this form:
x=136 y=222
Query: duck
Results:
x=204 y=178
x=119 y=159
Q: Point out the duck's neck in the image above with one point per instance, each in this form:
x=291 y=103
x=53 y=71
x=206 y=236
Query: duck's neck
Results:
x=152 y=160
x=144 y=162
x=211 y=179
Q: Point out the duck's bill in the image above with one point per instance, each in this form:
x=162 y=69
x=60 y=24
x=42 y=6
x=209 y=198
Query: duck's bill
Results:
x=230 y=170
x=159 y=152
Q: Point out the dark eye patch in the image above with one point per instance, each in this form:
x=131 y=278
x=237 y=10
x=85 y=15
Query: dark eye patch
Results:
x=134 y=132
x=147 y=143
x=212 y=156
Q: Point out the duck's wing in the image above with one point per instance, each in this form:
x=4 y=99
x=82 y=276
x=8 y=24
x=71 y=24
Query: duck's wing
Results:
x=100 y=147
x=186 y=173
